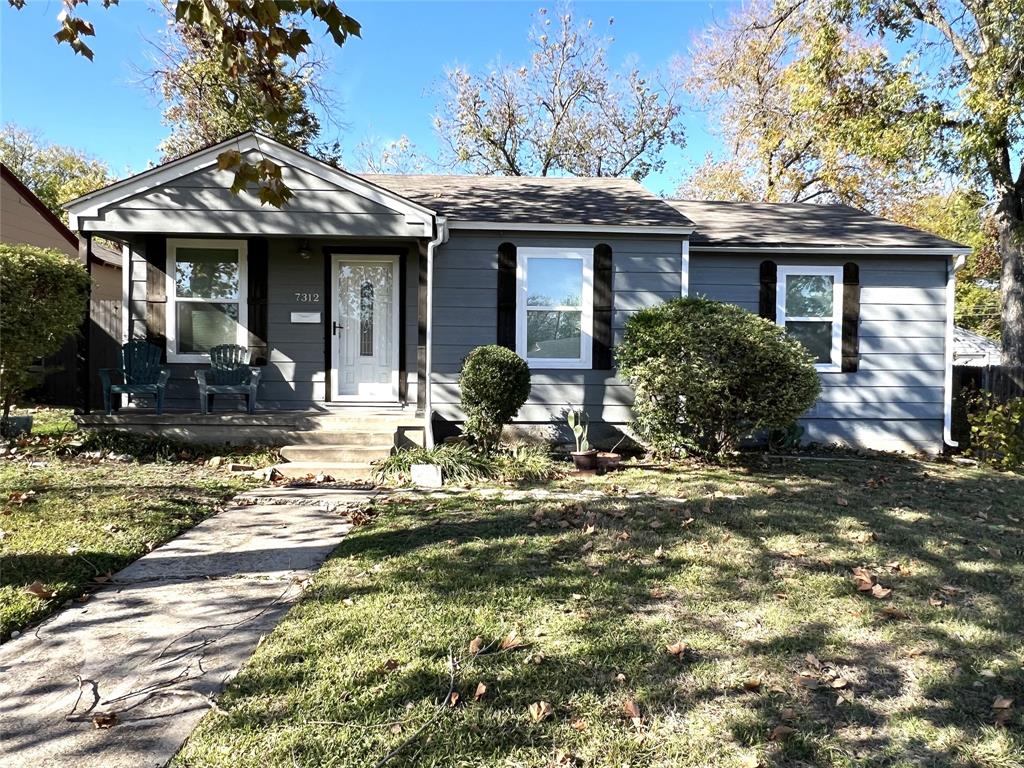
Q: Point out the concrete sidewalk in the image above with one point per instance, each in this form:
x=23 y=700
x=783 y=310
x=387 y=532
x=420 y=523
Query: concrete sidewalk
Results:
x=151 y=650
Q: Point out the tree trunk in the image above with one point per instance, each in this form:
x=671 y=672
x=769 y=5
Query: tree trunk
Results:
x=1010 y=227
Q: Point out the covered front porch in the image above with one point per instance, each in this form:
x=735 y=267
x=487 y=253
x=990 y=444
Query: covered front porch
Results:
x=327 y=295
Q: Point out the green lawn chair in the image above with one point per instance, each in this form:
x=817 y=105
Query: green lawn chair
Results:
x=229 y=374
x=141 y=374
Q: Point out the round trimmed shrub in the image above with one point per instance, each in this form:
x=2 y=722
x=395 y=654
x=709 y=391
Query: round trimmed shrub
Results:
x=706 y=374
x=43 y=296
x=495 y=383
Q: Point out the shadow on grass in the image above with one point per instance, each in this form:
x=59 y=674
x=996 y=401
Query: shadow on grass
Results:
x=430 y=574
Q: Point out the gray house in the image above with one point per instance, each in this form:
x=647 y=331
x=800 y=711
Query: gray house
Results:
x=362 y=296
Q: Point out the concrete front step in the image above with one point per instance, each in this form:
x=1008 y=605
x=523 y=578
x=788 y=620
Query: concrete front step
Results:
x=338 y=470
x=342 y=454
x=354 y=437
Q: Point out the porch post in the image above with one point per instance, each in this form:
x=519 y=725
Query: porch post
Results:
x=84 y=356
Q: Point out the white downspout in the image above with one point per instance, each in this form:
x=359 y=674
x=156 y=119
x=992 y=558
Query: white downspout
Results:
x=953 y=266
x=440 y=237
x=684 y=271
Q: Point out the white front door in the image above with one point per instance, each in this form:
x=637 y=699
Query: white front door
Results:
x=365 y=328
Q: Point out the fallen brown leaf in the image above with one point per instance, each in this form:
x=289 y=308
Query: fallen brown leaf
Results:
x=391 y=665
x=842 y=502
x=511 y=641
x=38 y=589
x=752 y=684
x=1002 y=702
x=453 y=699
x=632 y=710
x=540 y=710
x=480 y=692
x=878 y=591
x=678 y=649
x=104 y=720
x=780 y=732
x=476 y=645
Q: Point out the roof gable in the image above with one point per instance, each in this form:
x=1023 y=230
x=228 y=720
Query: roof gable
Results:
x=157 y=182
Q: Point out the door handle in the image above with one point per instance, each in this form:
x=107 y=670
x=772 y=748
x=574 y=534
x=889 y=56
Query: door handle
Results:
x=335 y=327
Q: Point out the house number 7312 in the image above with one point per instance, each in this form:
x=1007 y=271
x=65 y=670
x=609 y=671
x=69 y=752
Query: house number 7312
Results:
x=307 y=298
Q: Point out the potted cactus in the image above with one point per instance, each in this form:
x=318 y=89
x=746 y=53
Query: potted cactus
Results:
x=584 y=457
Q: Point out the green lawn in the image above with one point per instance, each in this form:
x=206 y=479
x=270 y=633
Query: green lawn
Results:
x=68 y=522
x=785 y=662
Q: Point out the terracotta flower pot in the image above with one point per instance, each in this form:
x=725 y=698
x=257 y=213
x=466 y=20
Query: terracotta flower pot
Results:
x=584 y=460
x=608 y=460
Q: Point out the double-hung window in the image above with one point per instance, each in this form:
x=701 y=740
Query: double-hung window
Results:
x=554 y=307
x=206 y=306
x=809 y=305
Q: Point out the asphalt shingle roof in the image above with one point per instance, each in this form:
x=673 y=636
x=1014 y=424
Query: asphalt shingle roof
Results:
x=535 y=200
x=803 y=225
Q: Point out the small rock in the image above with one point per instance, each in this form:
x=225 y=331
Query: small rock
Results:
x=122 y=457
x=235 y=467
x=15 y=634
x=215 y=462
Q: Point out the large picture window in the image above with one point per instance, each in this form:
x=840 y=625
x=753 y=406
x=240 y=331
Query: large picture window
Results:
x=809 y=305
x=555 y=307
x=206 y=283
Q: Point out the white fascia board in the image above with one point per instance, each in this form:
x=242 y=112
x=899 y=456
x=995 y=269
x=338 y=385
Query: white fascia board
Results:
x=612 y=229
x=824 y=250
x=89 y=205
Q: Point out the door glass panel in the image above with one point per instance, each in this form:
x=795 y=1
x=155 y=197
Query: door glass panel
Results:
x=816 y=336
x=809 y=296
x=366 y=320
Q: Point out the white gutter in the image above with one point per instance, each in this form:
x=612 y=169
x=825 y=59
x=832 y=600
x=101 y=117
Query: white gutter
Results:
x=439 y=238
x=952 y=267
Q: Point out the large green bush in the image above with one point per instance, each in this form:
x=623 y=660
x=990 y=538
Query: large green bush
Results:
x=997 y=431
x=43 y=296
x=706 y=374
x=495 y=382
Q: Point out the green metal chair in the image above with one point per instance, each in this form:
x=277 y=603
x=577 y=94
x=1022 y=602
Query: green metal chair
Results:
x=141 y=374
x=229 y=374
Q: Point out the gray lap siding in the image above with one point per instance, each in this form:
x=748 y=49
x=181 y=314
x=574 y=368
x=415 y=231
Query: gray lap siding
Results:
x=895 y=398
x=646 y=271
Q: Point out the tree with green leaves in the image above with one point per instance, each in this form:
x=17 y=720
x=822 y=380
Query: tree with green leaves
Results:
x=783 y=104
x=565 y=111
x=969 y=106
x=203 y=105
x=248 y=39
x=54 y=173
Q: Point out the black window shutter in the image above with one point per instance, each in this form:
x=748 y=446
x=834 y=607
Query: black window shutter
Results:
x=602 y=349
x=258 y=259
x=769 y=277
x=851 y=317
x=507 y=295
x=156 y=292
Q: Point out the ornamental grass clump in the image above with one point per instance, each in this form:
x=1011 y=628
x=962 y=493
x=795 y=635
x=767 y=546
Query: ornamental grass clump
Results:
x=707 y=374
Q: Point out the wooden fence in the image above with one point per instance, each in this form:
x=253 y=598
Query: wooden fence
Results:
x=63 y=386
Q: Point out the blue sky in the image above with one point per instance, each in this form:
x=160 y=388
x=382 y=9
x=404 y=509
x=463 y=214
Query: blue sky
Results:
x=385 y=84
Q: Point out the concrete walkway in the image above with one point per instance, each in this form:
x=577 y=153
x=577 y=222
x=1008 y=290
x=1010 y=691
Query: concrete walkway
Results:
x=150 y=651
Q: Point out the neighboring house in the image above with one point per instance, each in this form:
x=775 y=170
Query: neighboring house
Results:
x=372 y=289
x=973 y=349
x=24 y=218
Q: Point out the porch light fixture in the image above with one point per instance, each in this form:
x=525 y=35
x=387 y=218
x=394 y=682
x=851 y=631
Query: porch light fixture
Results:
x=305 y=251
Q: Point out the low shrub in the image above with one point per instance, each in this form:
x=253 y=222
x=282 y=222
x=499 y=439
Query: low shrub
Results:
x=461 y=463
x=495 y=382
x=997 y=431
x=43 y=296
x=706 y=374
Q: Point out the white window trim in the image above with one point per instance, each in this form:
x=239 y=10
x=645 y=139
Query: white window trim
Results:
x=783 y=275
x=523 y=255
x=171 y=316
